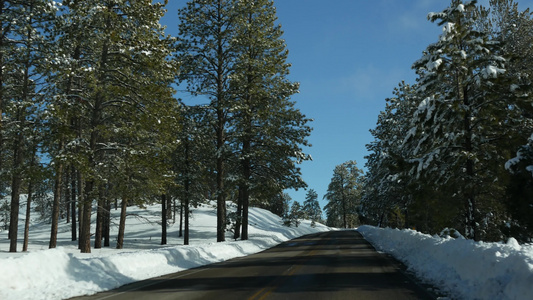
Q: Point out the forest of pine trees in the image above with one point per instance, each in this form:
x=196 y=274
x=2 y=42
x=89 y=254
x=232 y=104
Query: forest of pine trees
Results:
x=453 y=149
x=91 y=120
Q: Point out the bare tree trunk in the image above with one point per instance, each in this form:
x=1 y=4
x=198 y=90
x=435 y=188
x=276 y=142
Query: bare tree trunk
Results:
x=164 y=219
x=220 y=130
x=67 y=191
x=246 y=170
x=245 y=205
x=174 y=209
x=187 y=185
x=57 y=197
x=16 y=184
x=221 y=197
x=85 y=236
x=81 y=201
x=73 y=202
x=107 y=221
x=28 y=211
x=122 y=223
x=2 y=43
x=99 y=220
x=169 y=207
x=237 y=232
x=186 y=235
x=180 y=234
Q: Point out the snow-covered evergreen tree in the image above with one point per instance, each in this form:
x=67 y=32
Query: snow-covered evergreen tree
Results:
x=388 y=187
x=513 y=29
x=311 y=207
x=467 y=98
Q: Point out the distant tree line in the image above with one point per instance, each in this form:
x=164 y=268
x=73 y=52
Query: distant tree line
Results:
x=89 y=113
x=454 y=149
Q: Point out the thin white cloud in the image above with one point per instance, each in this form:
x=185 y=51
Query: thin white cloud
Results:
x=367 y=82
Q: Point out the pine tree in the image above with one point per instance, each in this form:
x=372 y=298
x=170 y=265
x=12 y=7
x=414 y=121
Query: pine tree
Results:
x=344 y=195
x=467 y=100
x=387 y=182
x=24 y=42
x=205 y=50
x=311 y=207
x=513 y=28
x=114 y=110
x=192 y=161
x=262 y=93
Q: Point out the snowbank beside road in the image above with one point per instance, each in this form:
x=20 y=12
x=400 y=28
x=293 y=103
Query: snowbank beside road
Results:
x=64 y=272
x=462 y=268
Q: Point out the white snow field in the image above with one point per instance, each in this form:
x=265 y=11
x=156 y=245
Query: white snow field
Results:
x=463 y=269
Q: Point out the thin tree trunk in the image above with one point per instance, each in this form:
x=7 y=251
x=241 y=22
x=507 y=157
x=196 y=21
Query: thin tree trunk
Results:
x=28 y=206
x=221 y=198
x=220 y=131
x=164 y=219
x=122 y=223
x=15 y=194
x=85 y=236
x=246 y=170
x=174 y=209
x=67 y=191
x=107 y=221
x=57 y=197
x=237 y=232
x=186 y=235
x=187 y=199
x=2 y=43
x=180 y=234
x=169 y=207
x=81 y=201
x=86 y=226
x=99 y=219
x=73 y=203
x=245 y=205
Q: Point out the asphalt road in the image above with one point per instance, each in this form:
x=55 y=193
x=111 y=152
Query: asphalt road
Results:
x=328 y=265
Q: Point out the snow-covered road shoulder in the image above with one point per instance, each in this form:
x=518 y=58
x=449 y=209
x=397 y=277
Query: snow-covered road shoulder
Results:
x=461 y=268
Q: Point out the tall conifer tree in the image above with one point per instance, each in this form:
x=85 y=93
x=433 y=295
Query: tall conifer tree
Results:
x=344 y=195
x=266 y=128
x=205 y=50
x=468 y=96
x=113 y=83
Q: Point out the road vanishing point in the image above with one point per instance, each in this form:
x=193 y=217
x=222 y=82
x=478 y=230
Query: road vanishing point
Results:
x=327 y=265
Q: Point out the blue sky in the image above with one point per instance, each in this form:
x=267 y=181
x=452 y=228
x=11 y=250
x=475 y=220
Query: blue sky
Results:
x=348 y=56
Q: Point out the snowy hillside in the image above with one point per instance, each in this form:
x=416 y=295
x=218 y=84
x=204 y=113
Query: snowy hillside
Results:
x=461 y=268
x=64 y=272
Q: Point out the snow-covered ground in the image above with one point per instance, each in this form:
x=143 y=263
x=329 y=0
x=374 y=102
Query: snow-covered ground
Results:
x=64 y=272
x=461 y=268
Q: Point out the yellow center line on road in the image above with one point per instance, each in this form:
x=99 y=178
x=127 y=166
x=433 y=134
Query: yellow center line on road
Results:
x=264 y=292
